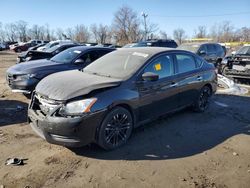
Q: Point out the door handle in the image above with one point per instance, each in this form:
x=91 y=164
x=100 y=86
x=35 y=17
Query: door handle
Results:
x=173 y=84
x=199 y=78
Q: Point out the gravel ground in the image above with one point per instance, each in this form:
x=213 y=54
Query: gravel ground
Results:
x=185 y=149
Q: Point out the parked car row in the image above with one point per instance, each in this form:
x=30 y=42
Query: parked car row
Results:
x=24 y=46
x=90 y=94
x=25 y=76
x=34 y=54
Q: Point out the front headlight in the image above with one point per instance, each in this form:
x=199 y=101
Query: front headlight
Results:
x=24 y=76
x=27 y=58
x=78 y=107
x=224 y=61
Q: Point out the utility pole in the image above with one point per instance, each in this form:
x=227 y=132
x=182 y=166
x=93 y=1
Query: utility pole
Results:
x=145 y=24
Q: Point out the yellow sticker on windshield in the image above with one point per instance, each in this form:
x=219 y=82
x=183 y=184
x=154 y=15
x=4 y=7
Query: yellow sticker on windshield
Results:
x=158 y=67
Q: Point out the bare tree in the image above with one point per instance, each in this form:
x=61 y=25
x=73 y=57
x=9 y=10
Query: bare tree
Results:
x=223 y=32
x=101 y=33
x=179 y=35
x=11 y=32
x=22 y=28
x=48 y=34
x=59 y=33
x=37 y=32
x=227 y=31
x=126 y=25
x=245 y=34
x=70 y=33
x=201 y=31
x=149 y=28
x=81 y=33
x=2 y=32
x=163 y=35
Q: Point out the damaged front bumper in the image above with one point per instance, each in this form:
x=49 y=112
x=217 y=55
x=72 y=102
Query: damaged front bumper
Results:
x=67 y=131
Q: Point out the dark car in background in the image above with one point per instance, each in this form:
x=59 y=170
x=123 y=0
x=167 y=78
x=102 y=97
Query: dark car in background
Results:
x=237 y=66
x=126 y=88
x=48 y=53
x=211 y=52
x=157 y=43
x=24 y=77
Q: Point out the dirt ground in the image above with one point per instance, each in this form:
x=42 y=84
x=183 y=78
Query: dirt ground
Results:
x=182 y=150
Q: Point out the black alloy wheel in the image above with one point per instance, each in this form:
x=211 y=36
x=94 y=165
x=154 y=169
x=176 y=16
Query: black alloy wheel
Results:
x=202 y=103
x=115 y=129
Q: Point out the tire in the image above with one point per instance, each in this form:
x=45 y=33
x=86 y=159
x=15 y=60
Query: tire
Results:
x=115 y=129
x=28 y=96
x=202 y=102
x=19 y=50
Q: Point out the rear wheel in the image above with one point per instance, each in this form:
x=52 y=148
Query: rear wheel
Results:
x=115 y=129
x=202 y=102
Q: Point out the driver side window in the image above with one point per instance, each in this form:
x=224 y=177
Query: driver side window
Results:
x=163 y=66
x=89 y=57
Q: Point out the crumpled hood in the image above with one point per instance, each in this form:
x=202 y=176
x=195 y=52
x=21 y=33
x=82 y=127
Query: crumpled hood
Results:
x=31 y=66
x=70 y=84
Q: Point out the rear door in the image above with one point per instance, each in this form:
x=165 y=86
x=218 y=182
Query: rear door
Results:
x=158 y=97
x=189 y=77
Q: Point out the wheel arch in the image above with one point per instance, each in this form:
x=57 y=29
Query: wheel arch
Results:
x=210 y=86
x=111 y=107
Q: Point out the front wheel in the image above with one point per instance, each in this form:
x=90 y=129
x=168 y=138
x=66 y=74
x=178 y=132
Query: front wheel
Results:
x=202 y=102
x=115 y=129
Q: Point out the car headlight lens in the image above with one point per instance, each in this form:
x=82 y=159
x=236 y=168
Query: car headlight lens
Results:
x=24 y=76
x=78 y=107
x=224 y=61
x=27 y=58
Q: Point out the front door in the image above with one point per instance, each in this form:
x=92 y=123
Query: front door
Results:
x=158 y=97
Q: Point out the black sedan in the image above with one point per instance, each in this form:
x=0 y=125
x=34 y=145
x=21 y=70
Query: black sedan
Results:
x=25 y=76
x=126 y=88
x=33 y=54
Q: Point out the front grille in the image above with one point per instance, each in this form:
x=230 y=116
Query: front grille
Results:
x=44 y=105
x=10 y=78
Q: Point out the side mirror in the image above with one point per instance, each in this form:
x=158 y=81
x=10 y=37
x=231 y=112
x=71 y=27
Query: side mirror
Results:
x=202 y=52
x=79 y=61
x=150 y=76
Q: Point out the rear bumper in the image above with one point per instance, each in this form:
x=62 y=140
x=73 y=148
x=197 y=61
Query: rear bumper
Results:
x=66 y=131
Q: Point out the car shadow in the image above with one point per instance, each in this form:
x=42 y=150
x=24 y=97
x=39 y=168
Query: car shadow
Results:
x=12 y=112
x=182 y=134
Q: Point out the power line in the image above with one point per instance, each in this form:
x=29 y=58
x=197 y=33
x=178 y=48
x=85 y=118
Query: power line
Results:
x=199 y=16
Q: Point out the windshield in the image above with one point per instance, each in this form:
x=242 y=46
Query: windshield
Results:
x=52 y=49
x=66 y=56
x=47 y=45
x=118 y=64
x=189 y=47
x=244 y=51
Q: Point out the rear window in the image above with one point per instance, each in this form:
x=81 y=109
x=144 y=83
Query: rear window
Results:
x=185 y=63
x=211 y=48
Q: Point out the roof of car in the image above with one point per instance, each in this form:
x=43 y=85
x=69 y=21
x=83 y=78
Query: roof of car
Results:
x=147 y=50
x=82 y=48
x=199 y=43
